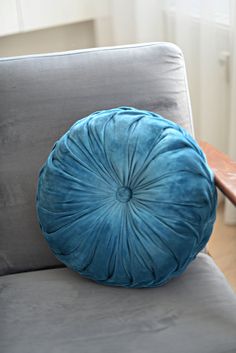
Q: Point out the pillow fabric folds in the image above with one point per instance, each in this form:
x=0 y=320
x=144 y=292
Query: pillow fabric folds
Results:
x=126 y=198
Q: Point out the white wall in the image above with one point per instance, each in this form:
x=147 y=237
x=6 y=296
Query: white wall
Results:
x=61 y=38
x=40 y=26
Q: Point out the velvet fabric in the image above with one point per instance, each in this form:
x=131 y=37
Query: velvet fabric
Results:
x=42 y=95
x=126 y=198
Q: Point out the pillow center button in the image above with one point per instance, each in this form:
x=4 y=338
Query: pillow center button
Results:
x=123 y=194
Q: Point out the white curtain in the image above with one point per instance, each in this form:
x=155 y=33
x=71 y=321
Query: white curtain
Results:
x=205 y=31
x=230 y=212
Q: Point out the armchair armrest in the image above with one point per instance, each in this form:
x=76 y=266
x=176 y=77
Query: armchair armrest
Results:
x=224 y=169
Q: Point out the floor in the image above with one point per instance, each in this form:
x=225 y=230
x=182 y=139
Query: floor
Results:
x=222 y=247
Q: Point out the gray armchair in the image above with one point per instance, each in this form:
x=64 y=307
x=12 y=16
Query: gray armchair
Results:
x=45 y=307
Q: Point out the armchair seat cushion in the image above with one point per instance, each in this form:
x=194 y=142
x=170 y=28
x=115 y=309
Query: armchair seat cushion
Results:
x=126 y=198
x=58 y=311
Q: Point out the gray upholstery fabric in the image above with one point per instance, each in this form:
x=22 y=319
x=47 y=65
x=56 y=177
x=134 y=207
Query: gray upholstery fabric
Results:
x=57 y=311
x=42 y=95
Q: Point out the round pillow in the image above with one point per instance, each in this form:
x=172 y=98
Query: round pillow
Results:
x=126 y=198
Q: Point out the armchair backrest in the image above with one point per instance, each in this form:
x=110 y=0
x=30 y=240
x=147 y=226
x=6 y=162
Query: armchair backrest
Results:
x=41 y=96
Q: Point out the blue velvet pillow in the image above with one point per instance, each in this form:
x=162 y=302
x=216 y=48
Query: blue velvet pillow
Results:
x=126 y=198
